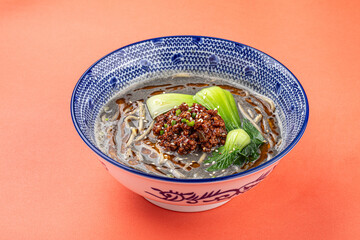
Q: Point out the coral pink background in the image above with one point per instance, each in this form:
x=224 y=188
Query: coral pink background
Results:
x=53 y=187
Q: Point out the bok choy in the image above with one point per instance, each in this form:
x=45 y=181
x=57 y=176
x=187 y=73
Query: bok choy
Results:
x=162 y=103
x=241 y=146
x=243 y=139
x=221 y=100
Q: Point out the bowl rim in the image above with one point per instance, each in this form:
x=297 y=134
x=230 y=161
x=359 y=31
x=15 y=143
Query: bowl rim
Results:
x=179 y=180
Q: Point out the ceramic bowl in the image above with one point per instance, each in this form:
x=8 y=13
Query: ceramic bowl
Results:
x=196 y=55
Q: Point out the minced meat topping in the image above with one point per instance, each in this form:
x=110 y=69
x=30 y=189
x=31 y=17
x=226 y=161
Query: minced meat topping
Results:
x=185 y=129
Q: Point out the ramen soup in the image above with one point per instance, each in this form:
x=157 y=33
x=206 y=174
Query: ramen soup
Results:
x=186 y=141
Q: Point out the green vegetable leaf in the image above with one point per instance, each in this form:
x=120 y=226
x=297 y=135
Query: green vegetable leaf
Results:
x=244 y=151
x=223 y=159
x=236 y=140
x=254 y=134
x=222 y=100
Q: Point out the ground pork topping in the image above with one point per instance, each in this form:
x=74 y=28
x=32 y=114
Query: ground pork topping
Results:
x=185 y=129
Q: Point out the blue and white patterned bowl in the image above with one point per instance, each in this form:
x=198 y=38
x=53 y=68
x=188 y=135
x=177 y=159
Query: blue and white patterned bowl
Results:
x=166 y=56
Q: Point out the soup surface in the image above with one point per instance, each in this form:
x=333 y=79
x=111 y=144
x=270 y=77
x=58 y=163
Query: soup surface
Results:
x=124 y=128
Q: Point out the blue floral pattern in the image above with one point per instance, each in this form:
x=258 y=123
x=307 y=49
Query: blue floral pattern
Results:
x=208 y=197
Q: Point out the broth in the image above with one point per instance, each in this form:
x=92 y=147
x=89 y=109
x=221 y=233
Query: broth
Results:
x=123 y=128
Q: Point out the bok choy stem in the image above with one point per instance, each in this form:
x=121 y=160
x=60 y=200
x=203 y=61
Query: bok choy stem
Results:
x=162 y=103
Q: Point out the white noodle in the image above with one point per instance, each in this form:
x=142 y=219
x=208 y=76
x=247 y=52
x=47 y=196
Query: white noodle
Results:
x=257 y=118
x=133 y=111
x=142 y=115
x=265 y=126
x=186 y=165
x=269 y=101
x=127 y=110
x=161 y=160
x=248 y=117
x=133 y=134
x=202 y=158
x=140 y=157
x=251 y=114
x=169 y=164
x=177 y=174
x=130 y=117
x=128 y=152
x=145 y=133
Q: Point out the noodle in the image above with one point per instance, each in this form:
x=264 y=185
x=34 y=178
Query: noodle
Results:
x=133 y=134
x=269 y=101
x=248 y=117
x=145 y=133
x=142 y=115
x=257 y=118
x=202 y=158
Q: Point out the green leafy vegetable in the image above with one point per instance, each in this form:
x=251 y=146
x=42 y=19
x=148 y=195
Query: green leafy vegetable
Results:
x=254 y=134
x=226 y=155
x=162 y=103
x=241 y=146
x=222 y=100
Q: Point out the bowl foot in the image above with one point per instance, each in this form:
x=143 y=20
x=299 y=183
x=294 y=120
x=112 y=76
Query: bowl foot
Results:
x=178 y=208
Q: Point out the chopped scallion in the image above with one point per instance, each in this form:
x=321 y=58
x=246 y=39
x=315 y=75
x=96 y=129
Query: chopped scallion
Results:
x=190 y=124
